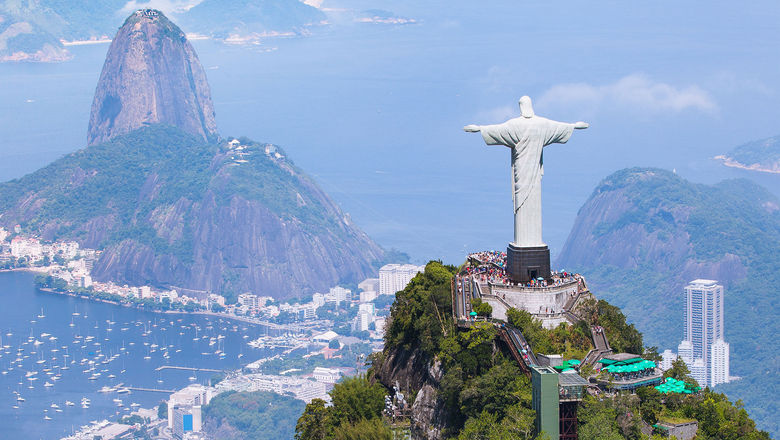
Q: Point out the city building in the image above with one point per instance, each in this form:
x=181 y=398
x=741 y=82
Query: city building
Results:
x=367 y=296
x=191 y=396
x=306 y=312
x=394 y=277
x=318 y=300
x=667 y=358
x=338 y=295
x=685 y=351
x=216 y=299
x=369 y=285
x=703 y=326
x=186 y=418
x=719 y=362
x=326 y=375
x=249 y=300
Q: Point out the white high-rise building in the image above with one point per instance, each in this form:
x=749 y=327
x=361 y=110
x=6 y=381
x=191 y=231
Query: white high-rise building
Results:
x=703 y=320
x=719 y=362
x=667 y=357
x=699 y=371
x=394 y=277
x=685 y=352
x=339 y=295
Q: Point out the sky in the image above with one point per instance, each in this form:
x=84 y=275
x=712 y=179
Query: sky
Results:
x=375 y=112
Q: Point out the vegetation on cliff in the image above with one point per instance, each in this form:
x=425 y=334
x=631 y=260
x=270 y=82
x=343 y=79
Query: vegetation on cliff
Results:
x=258 y=415
x=355 y=413
x=481 y=392
x=645 y=233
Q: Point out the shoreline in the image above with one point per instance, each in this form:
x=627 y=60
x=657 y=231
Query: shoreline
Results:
x=24 y=269
x=731 y=163
x=242 y=319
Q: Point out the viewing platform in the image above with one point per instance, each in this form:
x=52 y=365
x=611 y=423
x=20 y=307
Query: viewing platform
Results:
x=551 y=300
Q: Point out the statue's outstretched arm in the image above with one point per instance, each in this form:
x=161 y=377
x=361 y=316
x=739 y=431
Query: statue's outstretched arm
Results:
x=471 y=128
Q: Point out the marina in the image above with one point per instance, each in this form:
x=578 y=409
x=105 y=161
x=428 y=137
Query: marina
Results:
x=65 y=361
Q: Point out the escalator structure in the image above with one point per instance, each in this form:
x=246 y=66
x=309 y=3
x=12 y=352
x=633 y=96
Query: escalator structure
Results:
x=518 y=347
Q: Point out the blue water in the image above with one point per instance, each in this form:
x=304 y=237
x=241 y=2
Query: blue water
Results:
x=22 y=304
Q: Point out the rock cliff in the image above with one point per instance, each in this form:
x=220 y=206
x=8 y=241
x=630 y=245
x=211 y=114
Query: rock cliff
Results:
x=151 y=75
x=413 y=370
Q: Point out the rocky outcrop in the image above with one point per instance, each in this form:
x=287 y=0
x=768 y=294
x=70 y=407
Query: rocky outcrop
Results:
x=415 y=372
x=151 y=76
x=642 y=218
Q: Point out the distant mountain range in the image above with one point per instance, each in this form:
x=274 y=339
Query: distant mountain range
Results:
x=34 y=30
x=762 y=155
x=645 y=233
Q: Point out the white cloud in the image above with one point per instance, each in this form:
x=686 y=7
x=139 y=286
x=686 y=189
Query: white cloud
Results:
x=635 y=91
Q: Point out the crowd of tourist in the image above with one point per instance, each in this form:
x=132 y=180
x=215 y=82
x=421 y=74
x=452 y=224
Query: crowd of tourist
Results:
x=496 y=258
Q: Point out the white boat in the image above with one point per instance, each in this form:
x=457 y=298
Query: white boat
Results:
x=46 y=418
x=69 y=403
x=48 y=384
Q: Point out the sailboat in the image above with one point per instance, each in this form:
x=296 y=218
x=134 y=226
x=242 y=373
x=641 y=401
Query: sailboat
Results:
x=41 y=315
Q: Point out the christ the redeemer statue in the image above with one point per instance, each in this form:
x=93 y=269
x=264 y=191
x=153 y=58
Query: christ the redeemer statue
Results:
x=527 y=136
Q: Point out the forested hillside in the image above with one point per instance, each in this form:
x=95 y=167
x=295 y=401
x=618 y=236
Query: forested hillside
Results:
x=463 y=384
x=645 y=233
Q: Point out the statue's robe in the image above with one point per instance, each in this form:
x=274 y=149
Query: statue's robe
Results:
x=527 y=137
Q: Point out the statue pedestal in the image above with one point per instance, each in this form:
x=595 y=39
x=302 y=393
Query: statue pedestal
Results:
x=526 y=263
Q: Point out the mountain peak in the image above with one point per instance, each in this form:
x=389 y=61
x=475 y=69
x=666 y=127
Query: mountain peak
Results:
x=151 y=75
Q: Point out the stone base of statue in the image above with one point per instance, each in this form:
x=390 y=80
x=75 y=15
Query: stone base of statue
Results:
x=524 y=264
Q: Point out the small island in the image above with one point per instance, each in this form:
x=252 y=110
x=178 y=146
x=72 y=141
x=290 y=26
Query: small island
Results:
x=762 y=155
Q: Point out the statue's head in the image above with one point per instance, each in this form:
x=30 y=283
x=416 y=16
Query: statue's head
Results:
x=526 y=109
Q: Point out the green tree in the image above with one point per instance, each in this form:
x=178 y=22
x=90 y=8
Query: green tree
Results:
x=373 y=429
x=313 y=423
x=162 y=410
x=355 y=399
x=481 y=308
x=495 y=391
x=420 y=316
x=650 y=404
x=680 y=371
